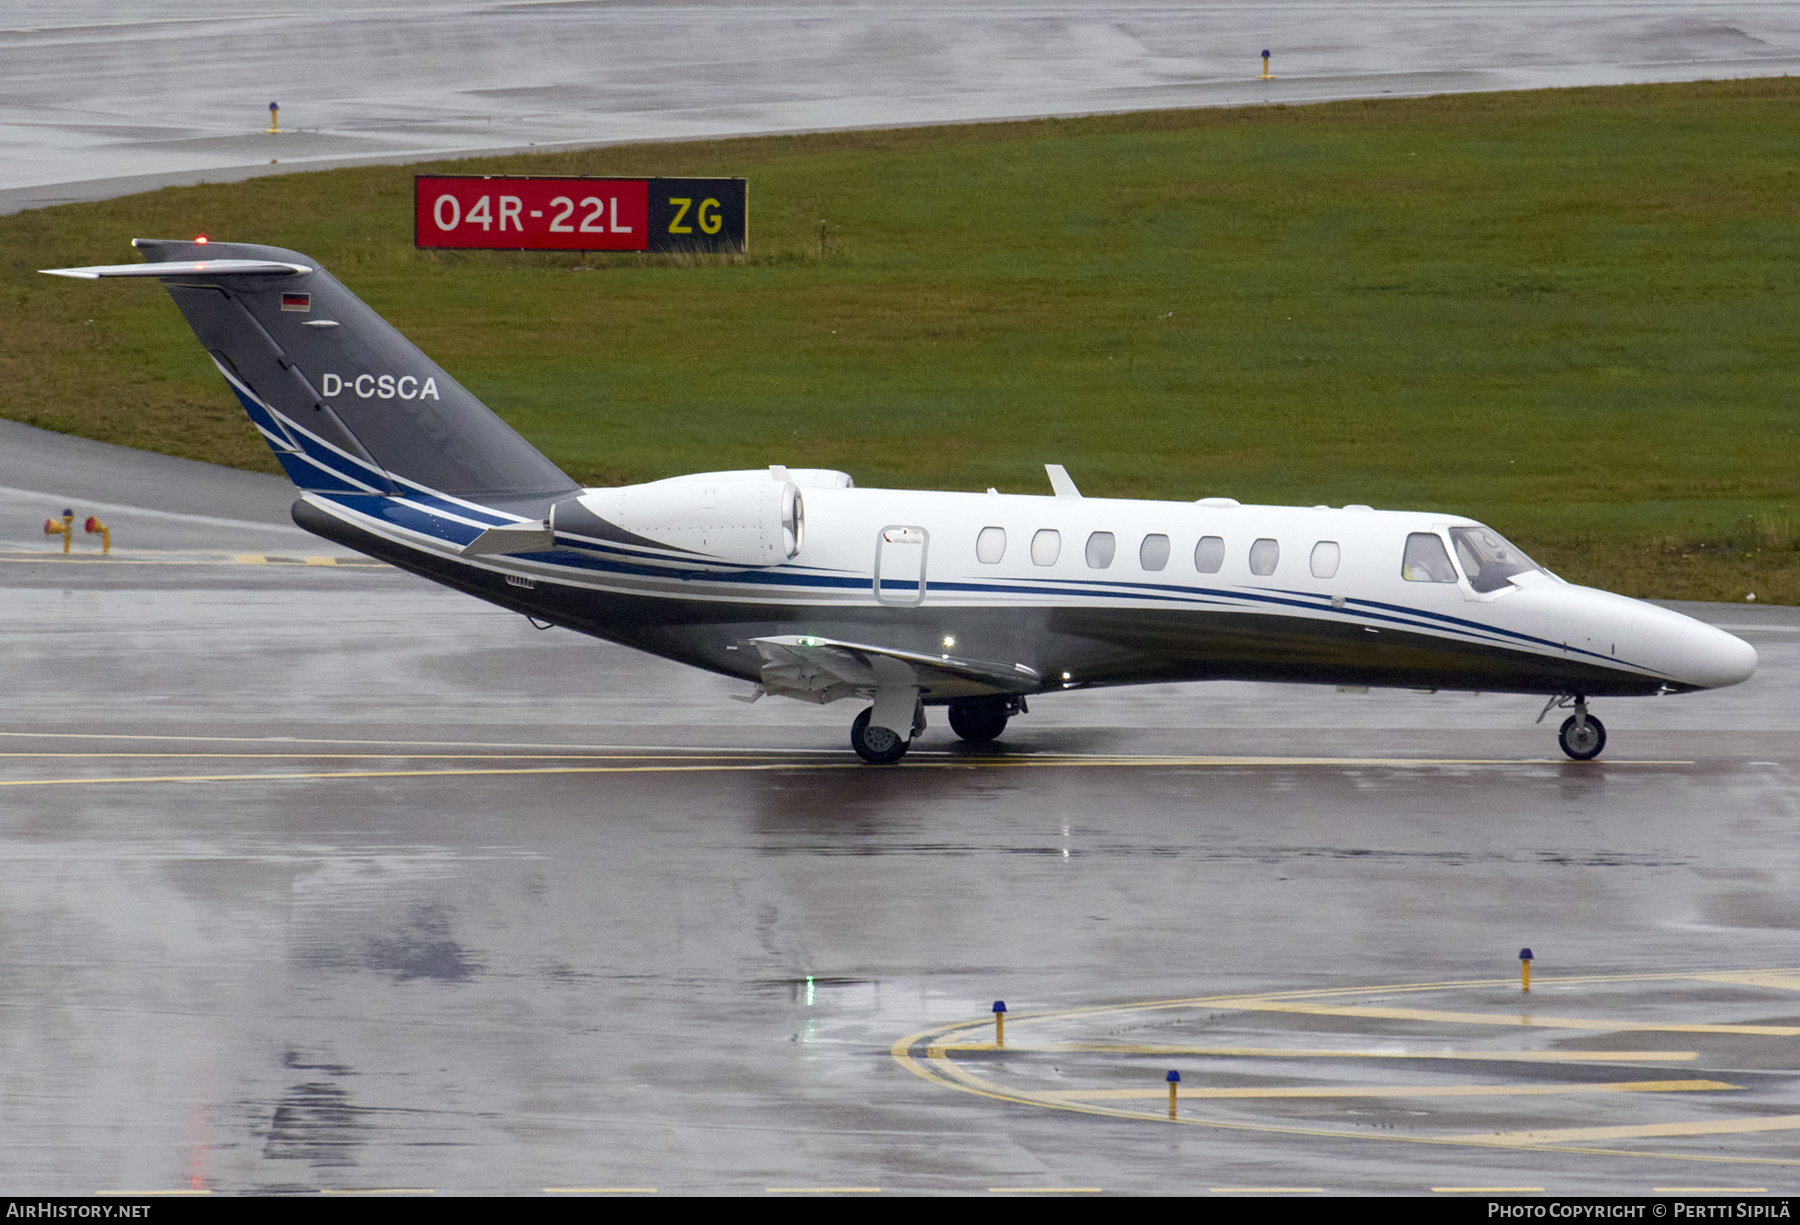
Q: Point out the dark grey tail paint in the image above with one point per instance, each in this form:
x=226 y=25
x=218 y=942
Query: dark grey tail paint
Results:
x=359 y=385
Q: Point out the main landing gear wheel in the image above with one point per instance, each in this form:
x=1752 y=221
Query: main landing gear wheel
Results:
x=979 y=720
x=879 y=746
x=1582 y=738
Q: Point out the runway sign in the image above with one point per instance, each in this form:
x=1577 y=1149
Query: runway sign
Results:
x=528 y=213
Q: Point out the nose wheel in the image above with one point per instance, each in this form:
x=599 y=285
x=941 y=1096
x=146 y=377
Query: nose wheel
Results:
x=879 y=746
x=1582 y=736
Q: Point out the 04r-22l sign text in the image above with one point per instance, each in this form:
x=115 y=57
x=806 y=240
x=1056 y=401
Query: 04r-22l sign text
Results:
x=527 y=213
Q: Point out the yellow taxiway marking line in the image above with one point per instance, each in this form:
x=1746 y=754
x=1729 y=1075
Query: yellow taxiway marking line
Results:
x=823 y=1190
x=936 y=1068
x=1275 y=1052
x=326 y=756
x=1216 y=1001
x=275 y=776
x=935 y=759
x=599 y=1190
x=440 y=744
x=1754 y=978
x=1641 y=1131
x=235 y=559
x=1251 y=1091
x=752 y=767
x=1710 y=1190
x=957 y=1078
x=1482 y=1190
x=1486 y=1018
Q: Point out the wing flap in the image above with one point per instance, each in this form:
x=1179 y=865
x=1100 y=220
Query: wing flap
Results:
x=825 y=669
x=512 y=538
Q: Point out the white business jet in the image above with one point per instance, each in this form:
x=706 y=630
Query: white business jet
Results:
x=808 y=587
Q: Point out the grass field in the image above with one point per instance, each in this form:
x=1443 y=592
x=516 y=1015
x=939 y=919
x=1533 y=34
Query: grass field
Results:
x=1569 y=313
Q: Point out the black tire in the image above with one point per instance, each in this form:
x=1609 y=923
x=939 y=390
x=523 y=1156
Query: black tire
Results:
x=978 y=720
x=1582 y=748
x=879 y=746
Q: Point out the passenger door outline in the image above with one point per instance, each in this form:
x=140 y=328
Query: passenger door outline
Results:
x=893 y=561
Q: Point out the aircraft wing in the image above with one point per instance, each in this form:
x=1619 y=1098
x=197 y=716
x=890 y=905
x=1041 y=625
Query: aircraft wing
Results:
x=824 y=670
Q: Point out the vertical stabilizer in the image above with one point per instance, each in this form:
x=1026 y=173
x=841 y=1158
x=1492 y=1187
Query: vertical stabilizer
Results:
x=345 y=401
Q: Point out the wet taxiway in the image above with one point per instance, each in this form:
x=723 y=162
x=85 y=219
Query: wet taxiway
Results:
x=315 y=877
x=105 y=97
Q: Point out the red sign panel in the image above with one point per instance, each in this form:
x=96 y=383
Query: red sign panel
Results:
x=532 y=214
x=544 y=214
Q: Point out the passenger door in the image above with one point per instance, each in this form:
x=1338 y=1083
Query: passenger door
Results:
x=900 y=565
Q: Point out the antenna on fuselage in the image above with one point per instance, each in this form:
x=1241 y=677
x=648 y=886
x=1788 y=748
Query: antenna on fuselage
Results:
x=1060 y=482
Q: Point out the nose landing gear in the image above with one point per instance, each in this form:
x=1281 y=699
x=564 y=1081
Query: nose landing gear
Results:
x=1582 y=736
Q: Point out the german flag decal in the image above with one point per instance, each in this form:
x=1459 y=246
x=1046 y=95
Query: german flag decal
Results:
x=296 y=302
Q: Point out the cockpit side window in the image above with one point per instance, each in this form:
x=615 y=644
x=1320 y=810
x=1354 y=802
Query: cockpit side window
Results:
x=1488 y=558
x=1426 y=560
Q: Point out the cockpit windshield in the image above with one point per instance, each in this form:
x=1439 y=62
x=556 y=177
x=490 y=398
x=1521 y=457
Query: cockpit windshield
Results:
x=1488 y=558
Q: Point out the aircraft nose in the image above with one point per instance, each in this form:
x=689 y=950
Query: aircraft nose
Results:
x=1714 y=659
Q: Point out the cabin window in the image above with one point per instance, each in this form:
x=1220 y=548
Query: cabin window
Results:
x=990 y=546
x=1100 y=549
x=1046 y=546
x=1153 y=554
x=1209 y=554
x=1265 y=555
x=1488 y=558
x=1325 y=558
x=1426 y=560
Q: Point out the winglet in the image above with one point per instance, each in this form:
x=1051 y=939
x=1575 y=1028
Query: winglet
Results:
x=1060 y=482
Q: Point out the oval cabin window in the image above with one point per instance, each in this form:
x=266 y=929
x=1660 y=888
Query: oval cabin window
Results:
x=1153 y=554
x=1209 y=554
x=1265 y=555
x=1100 y=549
x=1325 y=558
x=990 y=546
x=1046 y=546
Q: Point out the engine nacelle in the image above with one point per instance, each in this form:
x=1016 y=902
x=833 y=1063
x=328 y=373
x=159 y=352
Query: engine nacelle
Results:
x=755 y=518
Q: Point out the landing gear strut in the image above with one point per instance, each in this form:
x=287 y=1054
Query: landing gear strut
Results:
x=1582 y=736
x=879 y=746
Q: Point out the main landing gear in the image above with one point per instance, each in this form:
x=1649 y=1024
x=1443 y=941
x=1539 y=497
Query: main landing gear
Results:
x=879 y=746
x=979 y=720
x=1582 y=736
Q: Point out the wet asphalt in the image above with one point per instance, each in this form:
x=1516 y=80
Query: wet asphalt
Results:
x=314 y=876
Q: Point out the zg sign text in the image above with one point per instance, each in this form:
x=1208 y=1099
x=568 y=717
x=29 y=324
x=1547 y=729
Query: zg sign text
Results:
x=541 y=214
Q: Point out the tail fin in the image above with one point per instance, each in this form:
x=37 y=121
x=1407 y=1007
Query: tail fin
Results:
x=346 y=402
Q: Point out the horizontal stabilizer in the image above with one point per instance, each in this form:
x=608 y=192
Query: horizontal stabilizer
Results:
x=512 y=538
x=824 y=670
x=198 y=267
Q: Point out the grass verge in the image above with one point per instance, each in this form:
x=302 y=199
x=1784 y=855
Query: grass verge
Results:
x=1569 y=313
